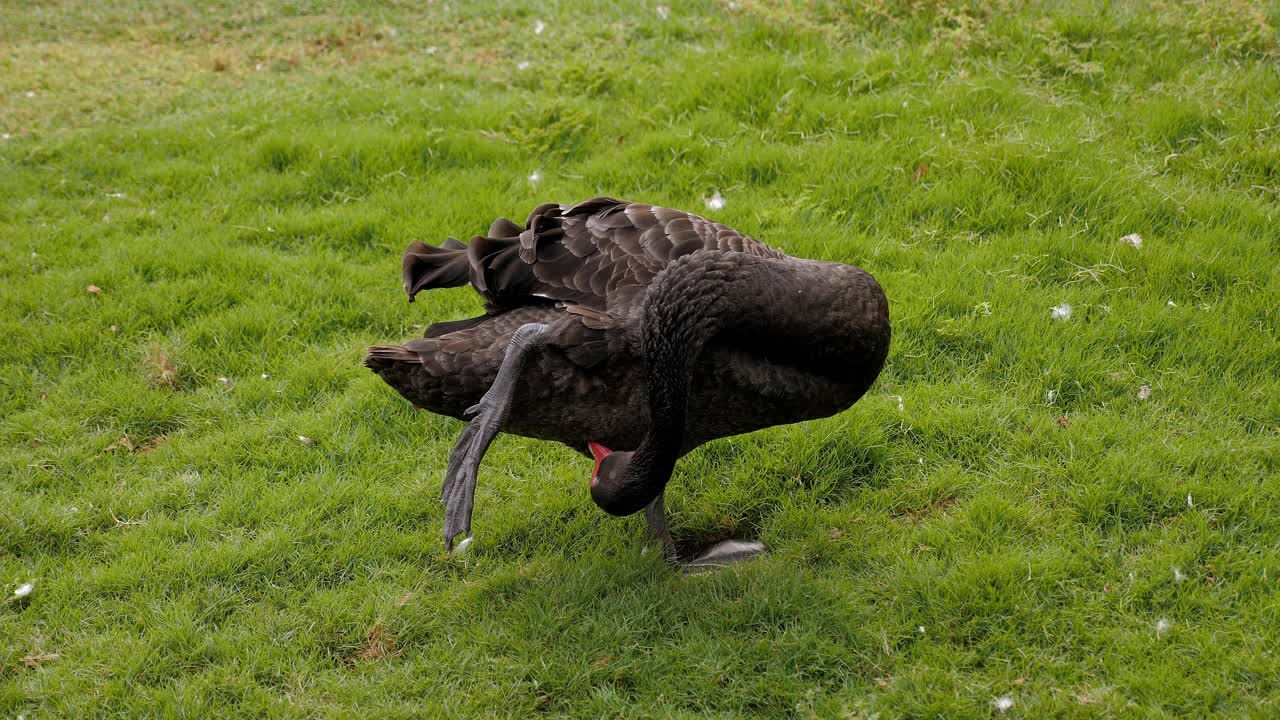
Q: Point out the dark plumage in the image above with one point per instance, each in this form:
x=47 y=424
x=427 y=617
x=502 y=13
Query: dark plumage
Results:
x=634 y=327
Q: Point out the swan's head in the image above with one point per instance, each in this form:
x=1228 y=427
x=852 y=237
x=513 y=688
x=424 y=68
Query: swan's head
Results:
x=612 y=486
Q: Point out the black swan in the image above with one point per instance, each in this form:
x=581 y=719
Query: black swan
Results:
x=613 y=324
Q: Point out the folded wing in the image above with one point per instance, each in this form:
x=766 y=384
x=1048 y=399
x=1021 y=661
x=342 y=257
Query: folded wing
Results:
x=594 y=258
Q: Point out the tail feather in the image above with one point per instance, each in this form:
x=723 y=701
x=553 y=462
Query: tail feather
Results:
x=381 y=357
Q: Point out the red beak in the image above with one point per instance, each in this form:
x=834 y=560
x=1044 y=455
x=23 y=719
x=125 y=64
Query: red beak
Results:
x=599 y=452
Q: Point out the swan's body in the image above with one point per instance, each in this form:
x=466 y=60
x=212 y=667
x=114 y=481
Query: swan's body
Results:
x=632 y=327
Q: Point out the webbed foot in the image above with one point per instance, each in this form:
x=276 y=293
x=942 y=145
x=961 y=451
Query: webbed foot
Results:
x=485 y=419
x=719 y=555
x=459 y=489
x=726 y=552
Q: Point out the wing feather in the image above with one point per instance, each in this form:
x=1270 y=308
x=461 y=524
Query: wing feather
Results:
x=599 y=254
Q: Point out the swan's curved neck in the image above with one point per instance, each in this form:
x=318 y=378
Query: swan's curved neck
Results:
x=653 y=462
x=687 y=305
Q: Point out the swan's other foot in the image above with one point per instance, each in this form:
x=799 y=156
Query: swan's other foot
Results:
x=726 y=552
x=719 y=555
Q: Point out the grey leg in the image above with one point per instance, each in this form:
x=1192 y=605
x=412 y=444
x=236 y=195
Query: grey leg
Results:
x=656 y=515
x=487 y=416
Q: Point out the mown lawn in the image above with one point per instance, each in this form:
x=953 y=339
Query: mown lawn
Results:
x=201 y=216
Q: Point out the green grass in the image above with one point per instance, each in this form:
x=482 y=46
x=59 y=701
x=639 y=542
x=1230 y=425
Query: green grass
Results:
x=1002 y=515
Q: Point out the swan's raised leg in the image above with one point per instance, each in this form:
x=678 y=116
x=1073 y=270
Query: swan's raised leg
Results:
x=459 y=489
x=722 y=553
